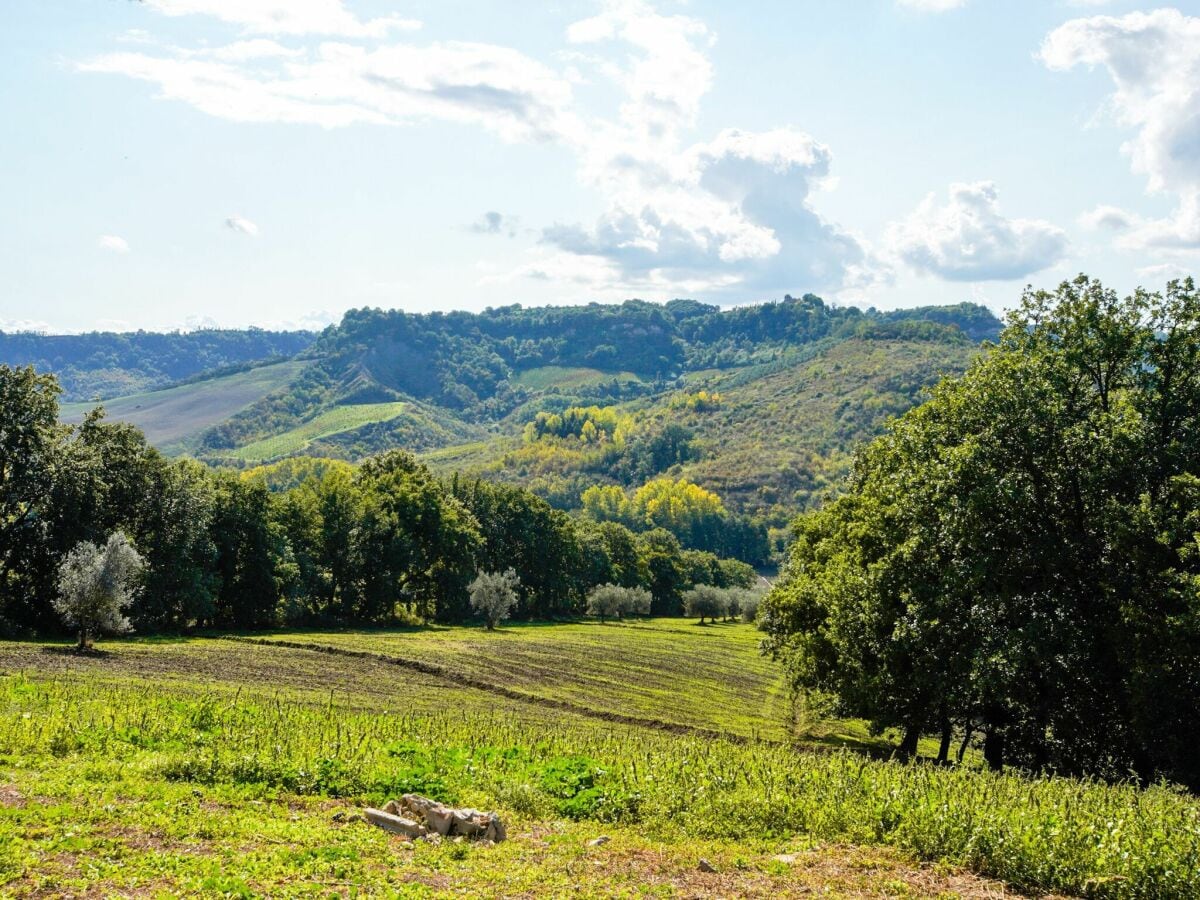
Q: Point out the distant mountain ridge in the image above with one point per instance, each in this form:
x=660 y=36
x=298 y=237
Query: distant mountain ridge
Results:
x=105 y=364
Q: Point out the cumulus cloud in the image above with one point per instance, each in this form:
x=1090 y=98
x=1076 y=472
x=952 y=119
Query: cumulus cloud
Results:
x=1109 y=218
x=242 y=225
x=968 y=239
x=737 y=216
x=724 y=216
x=287 y=16
x=493 y=222
x=733 y=213
x=1153 y=59
x=112 y=243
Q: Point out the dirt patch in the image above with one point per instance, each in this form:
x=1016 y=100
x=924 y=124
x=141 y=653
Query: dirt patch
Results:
x=11 y=797
x=847 y=871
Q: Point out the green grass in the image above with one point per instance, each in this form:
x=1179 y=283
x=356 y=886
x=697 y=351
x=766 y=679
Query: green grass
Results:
x=211 y=765
x=643 y=670
x=333 y=421
x=170 y=416
x=566 y=378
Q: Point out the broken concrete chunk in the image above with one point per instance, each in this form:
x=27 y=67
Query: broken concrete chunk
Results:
x=437 y=819
x=395 y=824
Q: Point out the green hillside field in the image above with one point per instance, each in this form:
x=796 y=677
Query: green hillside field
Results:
x=567 y=378
x=172 y=415
x=234 y=766
x=333 y=421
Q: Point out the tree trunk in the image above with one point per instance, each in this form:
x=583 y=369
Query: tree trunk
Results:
x=943 y=756
x=968 y=730
x=908 y=746
x=993 y=750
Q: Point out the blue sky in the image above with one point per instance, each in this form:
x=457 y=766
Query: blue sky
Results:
x=176 y=163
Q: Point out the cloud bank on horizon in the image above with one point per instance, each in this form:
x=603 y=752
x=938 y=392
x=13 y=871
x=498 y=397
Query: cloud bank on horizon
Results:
x=733 y=214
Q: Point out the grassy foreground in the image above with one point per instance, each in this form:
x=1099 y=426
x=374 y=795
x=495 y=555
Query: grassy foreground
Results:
x=213 y=766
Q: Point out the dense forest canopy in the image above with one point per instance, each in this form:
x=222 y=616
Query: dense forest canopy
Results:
x=383 y=542
x=1019 y=556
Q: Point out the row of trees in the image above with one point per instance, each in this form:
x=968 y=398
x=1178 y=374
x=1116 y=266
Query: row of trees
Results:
x=1020 y=556
x=364 y=544
x=708 y=601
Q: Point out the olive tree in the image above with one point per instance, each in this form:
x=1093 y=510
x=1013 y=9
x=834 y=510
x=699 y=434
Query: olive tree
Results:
x=748 y=601
x=605 y=601
x=493 y=595
x=705 y=601
x=96 y=585
x=635 y=602
x=613 y=600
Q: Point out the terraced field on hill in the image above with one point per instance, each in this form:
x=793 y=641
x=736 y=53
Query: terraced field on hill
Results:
x=172 y=415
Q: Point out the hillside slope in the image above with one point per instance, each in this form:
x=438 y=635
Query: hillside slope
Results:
x=172 y=415
x=761 y=403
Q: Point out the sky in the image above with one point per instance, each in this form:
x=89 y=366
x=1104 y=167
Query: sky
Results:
x=174 y=164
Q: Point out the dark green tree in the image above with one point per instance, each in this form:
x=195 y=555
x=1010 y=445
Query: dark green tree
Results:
x=1018 y=555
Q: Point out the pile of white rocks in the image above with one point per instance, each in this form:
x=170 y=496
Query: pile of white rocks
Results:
x=414 y=816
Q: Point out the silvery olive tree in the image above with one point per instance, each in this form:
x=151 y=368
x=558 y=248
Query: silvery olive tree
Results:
x=96 y=585
x=493 y=595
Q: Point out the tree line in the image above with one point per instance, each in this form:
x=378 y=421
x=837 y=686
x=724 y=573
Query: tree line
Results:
x=382 y=542
x=1019 y=557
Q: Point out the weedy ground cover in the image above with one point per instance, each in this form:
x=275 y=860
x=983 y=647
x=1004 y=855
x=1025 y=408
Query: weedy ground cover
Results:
x=215 y=766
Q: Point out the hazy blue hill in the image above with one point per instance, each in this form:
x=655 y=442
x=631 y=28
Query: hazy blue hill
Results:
x=110 y=364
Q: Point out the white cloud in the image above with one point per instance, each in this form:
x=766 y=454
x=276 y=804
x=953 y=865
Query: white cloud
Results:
x=968 y=239
x=496 y=87
x=1110 y=218
x=36 y=326
x=733 y=213
x=735 y=216
x=493 y=222
x=287 y=16
x=1153 y=59
x=243 y=225
x=718 y=217
x=112 y=243
x=1164 y=272
x=665 y=73
x=259 y=48
x=931 y=5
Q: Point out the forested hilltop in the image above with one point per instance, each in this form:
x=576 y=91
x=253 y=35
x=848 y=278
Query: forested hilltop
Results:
x=100 y=365
x=716 y=425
